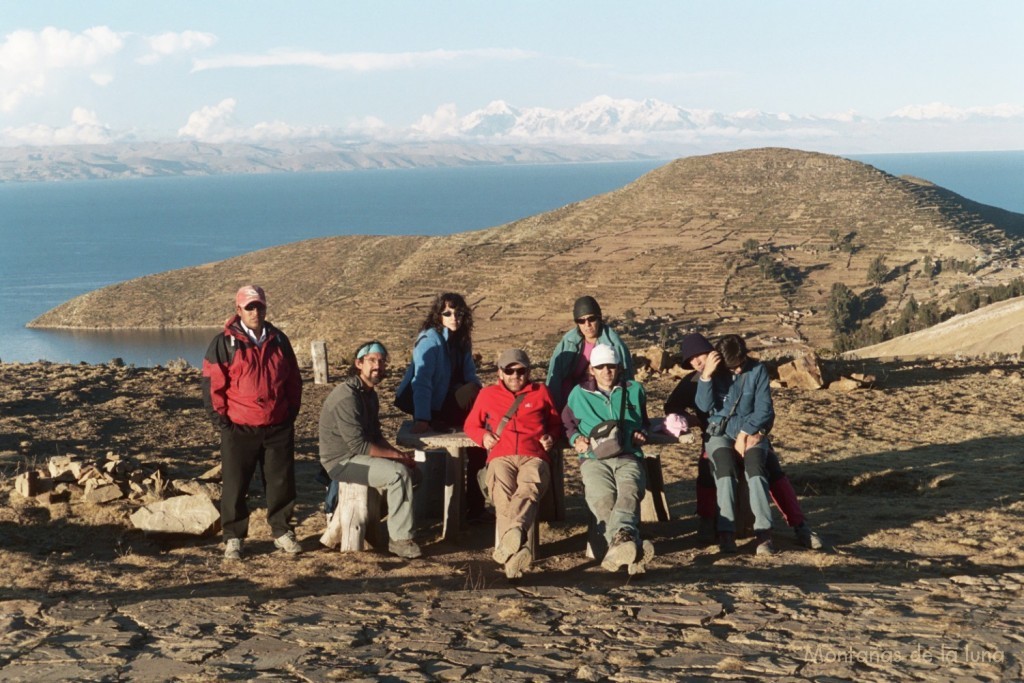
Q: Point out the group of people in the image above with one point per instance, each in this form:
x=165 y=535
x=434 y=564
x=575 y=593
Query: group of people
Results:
x=588 y=400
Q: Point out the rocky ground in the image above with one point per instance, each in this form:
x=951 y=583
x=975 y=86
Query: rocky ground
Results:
x=914 y=484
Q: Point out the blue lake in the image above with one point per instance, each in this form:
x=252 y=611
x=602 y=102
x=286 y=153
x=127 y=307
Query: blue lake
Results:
x=63 y=239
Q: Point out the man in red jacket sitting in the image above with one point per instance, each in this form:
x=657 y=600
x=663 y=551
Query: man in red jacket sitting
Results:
x=252 y=388
x=516 y=421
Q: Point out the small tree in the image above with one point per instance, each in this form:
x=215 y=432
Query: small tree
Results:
x=843 y=309
x=751 y=247
x=877 y=270
x=928 y=268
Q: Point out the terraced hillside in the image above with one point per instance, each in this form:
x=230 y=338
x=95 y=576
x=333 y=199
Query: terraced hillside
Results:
x=676 y=247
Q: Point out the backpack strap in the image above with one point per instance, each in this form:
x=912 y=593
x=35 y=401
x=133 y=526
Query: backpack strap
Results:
x=508 y=416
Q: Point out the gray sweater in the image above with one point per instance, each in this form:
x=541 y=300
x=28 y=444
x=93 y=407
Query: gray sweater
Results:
x=349 y=423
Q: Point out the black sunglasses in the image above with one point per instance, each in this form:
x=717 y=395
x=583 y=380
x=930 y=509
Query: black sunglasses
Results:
x=450 y=313
x=254 y=305
x=587 y=319
x=518 y=372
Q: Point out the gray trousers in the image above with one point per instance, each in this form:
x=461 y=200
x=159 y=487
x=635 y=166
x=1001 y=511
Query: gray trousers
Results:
x=723 y=458
x=387 y=474
x=613 y=489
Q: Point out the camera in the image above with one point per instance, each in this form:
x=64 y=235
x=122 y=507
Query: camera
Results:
x=716 y=428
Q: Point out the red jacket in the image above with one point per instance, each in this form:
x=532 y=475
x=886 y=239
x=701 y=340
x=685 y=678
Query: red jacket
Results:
x=251 y=386
x=535 y=417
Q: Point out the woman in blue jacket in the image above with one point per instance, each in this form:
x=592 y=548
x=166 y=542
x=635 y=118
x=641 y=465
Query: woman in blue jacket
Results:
x=733 y=390
x=443 y=383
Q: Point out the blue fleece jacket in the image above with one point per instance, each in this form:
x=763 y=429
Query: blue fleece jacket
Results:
x=749 y=391
x=431 y=372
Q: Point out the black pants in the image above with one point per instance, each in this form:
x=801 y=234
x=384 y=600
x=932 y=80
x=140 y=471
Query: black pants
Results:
x=241 y=449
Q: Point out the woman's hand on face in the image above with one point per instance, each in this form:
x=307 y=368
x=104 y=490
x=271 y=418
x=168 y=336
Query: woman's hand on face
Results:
x=714 y=359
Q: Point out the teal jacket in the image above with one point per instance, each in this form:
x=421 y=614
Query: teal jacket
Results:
x=566 y=356
x=588 y=407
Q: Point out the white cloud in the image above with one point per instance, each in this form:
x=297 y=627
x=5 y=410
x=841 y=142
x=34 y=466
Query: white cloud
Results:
x=356 y=61
x=217 y=124
x=85 y=129
x=170 y=43
x=210 y=123
x=28 y=59
x=937 y=111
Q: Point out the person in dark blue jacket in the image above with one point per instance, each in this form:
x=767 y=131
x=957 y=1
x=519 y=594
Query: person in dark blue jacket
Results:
x=733 y=390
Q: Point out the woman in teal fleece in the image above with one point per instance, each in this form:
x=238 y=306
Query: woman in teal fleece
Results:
x=569 y=364
x=612 y=487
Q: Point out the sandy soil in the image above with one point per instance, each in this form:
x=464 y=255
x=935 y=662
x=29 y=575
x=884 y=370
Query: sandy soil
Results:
x=917 y=480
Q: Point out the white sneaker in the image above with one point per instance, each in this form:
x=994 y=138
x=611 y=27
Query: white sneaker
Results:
x=287 y=543
x=233 y=549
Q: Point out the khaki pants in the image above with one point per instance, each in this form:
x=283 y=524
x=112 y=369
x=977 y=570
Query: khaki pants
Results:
x=517 y=483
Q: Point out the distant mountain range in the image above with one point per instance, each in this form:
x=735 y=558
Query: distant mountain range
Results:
x=749 y=242
x=189 y=158
x=602 y=129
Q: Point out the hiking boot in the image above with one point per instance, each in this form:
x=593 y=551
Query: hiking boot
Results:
x=706 y=530
x=233 y=549
x=287 y=543
x=621 y=551
x=518 y=563
x=765 y=546
x=510 y=543
x=646 y=555
x=406 y=549
x=808 y=538
x=726 y=543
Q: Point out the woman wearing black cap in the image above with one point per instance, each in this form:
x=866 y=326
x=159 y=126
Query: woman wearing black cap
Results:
x=693 y=351
x=741 y=414
x=570 y=361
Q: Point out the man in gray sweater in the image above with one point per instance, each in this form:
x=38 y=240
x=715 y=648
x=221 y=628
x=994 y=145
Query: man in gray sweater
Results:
x=353 y=448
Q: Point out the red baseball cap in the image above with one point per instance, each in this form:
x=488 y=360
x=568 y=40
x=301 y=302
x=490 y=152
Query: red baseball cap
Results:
x=249 y=293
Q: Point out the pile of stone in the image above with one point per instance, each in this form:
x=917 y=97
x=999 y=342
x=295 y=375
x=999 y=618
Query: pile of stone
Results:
x=804 y=372
x=68 y=478
x=99 y=481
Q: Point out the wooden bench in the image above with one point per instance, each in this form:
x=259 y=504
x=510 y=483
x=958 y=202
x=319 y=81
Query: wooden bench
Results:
x=355 y=523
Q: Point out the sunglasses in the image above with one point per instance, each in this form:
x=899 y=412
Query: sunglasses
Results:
x=253 y=306
x=449 y=313
x=518 y=372
x=606 y=366
x=587 y=319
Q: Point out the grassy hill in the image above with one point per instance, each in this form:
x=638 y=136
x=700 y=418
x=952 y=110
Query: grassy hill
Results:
x=747 y=241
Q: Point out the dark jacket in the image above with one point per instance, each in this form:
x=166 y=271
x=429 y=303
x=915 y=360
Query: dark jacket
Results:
x=349 y=423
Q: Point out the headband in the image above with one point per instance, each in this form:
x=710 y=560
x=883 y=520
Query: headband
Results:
x=372 y=347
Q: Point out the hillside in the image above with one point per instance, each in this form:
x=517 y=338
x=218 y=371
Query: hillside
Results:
x=666 y=250
x=998 y=328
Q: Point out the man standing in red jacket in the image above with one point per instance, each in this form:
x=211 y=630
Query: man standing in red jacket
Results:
x=516 y=421
x=252 y=388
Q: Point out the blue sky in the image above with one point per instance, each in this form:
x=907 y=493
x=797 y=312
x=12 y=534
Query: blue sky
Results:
x=864 y=76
